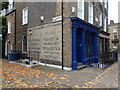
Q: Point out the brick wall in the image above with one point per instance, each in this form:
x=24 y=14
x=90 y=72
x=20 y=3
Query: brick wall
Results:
x=10 y=38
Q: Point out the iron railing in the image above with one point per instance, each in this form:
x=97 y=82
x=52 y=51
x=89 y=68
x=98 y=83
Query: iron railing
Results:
x=107 y=59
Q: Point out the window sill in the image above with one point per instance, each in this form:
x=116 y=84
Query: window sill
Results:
x=9 y=33
x=24 y=24
x=24 y=52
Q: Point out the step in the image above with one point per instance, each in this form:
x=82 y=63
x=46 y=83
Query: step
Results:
x=81 y=66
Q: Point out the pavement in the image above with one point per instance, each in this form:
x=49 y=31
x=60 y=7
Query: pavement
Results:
x=17 y=76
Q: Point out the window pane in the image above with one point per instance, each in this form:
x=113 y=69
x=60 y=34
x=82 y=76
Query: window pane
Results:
x=25 y=16
x=9 y=26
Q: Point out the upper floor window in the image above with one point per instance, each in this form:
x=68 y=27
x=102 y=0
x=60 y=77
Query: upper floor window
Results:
x=25 y=16
x=3 y=12
x=101 y=1
x=90 y=12
x=105 y=23
x=80 y=9
x=105 y=3
x=9 y=26
x=114 y=36
x=114 y=30
x=100 y=18
x=10 y=6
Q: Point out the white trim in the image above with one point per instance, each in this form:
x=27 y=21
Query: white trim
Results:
x=56 y=66
x=39 y=63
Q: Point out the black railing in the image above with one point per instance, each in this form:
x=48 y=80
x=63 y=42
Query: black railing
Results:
x=107 y=59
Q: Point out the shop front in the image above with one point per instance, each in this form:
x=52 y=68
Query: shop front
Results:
x=84 y=43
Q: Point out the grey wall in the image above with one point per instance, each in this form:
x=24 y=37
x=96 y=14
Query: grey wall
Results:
x=38 y=9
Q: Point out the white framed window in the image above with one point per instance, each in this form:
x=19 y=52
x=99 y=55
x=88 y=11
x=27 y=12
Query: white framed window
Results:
x=114 y=45
x=9 y=26
x=100 y=18
x=101 y=1
x=114 y=30
x=105 y=3
x=24 y=44
x=25 y=16
x=12 y=47
x=10 y=6
x=80 y=9
x=3 y=12
x=114 y=36
x=105 y=23
x=90 y=12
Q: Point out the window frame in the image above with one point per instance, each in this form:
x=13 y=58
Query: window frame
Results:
x=100 y=18
x=9 y=26
x=114 y=36
x=90 y=12
x=11 y=4
x=105 y=23
x=24 y=17
x=114 y=30
x=80 y=9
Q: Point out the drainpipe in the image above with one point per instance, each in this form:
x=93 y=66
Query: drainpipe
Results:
x=62 y=33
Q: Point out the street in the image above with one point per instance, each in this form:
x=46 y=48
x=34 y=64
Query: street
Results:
x=17 y=76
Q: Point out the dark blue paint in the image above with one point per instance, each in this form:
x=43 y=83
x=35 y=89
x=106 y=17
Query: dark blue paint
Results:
x=74 y=60
x=82 y=26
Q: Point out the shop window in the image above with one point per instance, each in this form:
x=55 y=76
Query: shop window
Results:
x=89 y=44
